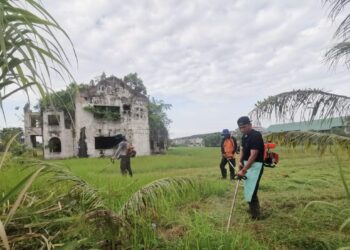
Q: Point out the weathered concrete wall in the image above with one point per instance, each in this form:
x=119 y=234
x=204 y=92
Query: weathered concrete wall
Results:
x=112 y=92
x=30 y=130
x=57 y=131
x=133 y=123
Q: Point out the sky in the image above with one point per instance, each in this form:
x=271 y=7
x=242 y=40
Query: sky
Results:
x=212 y=60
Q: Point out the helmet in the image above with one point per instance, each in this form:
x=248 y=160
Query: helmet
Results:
x=225 y=132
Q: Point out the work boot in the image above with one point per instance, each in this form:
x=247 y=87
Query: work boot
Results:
x=254 y=209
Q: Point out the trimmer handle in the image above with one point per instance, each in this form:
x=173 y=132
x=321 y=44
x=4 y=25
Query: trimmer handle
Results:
x=236 y=177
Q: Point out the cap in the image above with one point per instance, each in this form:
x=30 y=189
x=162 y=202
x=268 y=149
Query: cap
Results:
x=225 y=132
x=243 y=121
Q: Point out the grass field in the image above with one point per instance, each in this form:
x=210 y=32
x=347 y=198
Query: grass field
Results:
x=196 y=217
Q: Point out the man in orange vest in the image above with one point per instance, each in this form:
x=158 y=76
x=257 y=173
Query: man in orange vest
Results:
x=228 y=150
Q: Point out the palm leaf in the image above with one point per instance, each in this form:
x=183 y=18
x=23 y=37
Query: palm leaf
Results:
x=8 y=145
x=345 y=223
x=21 y=195
x=340 y=50
x=148 y=195
x=28 y=37
x=308 y=104
x=3 y=236
x=322 y=141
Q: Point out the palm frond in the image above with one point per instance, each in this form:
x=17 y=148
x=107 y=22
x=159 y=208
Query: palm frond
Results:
x=336 y=7
x=340 y=50
x=148 y=195
x=3 y=236
x=308 y=104
x=21 y=195
x=87 y=194
x=29 y=47
x=8 y=145
x=322 y=141
x=345 y=223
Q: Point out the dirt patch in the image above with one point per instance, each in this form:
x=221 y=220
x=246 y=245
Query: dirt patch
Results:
x=173 y=233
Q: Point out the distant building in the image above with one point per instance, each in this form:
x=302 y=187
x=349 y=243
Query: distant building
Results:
x=338 y=125
x=190 y=141
x=103 y=113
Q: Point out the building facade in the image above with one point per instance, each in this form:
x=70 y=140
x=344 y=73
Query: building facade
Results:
x=103 y=113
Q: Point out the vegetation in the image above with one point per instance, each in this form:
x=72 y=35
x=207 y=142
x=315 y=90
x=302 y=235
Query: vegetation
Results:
x=104 y=112
x=158 y=121
x=135 y=83
x=30 y=50
x=182 y=213
x=62 y=100
x=307 y=104
x=341 y=49
x=212 y=140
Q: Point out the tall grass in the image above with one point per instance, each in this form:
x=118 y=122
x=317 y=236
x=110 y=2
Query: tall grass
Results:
x=191 y=214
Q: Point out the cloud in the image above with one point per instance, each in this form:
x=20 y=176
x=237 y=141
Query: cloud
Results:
x=210 y=53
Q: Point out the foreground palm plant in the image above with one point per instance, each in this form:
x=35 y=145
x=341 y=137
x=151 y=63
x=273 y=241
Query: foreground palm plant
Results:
x=41 y=215
x=42 y=219
x=29 y=47
x=306 y=104
x=340 y=50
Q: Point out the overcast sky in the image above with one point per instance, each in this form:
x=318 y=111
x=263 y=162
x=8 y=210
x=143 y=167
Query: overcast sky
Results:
x=212 y=60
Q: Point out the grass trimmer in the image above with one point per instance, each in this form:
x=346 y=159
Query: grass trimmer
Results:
x=234 y=199
x=108 y=165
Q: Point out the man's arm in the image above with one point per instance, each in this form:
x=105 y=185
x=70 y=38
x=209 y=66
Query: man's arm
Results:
x=241 y=155
x=251 y=159
x=116 y=154
x=222 y=147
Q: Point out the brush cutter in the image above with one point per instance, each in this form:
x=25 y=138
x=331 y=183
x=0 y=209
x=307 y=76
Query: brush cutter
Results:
x=236 y=177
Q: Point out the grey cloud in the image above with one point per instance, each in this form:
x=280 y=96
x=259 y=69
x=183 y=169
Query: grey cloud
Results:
x=205 y=51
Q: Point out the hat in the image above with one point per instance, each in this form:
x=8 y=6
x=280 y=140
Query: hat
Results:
x=243 y=121
x=225 y=132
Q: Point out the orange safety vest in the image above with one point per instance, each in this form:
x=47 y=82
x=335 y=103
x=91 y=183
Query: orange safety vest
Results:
x=229 y=147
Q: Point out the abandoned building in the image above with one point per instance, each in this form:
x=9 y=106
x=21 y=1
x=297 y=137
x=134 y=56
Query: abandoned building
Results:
x=103 y=113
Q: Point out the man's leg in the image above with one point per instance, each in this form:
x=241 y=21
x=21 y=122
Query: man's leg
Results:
x=123 y=165
x=232 y=170
x=128 y=165
x=222 y=167
x=254 y=205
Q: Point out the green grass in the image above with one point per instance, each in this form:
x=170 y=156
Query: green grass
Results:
x=196 y=218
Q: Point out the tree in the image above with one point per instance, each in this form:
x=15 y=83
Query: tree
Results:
x=158 y=122
x=30 y=51
x=63 y=100
x=135 y=83
x=212 y=140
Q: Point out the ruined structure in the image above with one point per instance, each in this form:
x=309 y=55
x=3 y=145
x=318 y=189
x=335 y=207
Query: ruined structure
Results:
x=103 y=113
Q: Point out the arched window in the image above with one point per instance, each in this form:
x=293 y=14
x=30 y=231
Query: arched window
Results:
x=55 y=145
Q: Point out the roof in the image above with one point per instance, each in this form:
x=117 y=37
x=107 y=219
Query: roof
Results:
x=315 y=125
x=113 y=82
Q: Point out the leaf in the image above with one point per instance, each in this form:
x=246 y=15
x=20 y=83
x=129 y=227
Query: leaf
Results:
x=149 y=194
x=345 y=223
x=3 y=236
x=8 y=145
x=21 y=195
x=308 y=104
